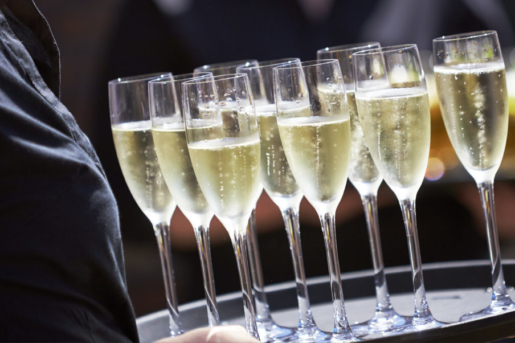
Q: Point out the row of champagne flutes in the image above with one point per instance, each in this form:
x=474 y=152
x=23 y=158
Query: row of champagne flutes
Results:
x=306 y=125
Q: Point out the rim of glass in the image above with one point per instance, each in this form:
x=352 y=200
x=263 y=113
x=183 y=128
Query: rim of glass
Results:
x=225 y=64
x=161 y=80
x=348 y=47
x=139 y=78
x=271 y=63
x=180 y=78
x=467 y=35
x=394 y=48
x=215 y=78
x=187 y=76
x=308 y=64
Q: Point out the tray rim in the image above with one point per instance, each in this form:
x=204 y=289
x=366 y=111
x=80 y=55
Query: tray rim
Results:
x=323 y=279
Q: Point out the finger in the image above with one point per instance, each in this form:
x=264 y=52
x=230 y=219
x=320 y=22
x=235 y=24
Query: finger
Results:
x=230 y=334
x=217 y=334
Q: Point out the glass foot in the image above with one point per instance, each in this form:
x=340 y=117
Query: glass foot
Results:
x=497 y=306
x=269 y=331
x=382 y=324
x=344 y=337
x=310 y=336
x=424 y=323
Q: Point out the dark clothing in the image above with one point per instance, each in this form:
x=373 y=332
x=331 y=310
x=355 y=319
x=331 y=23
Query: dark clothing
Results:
x=62 y=272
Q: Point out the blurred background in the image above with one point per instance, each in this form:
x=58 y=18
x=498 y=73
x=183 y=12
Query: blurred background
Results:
x=104 y=39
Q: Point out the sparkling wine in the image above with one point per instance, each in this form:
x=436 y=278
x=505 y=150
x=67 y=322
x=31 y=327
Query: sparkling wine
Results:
x=363 y=172
x=174 y=159
x=276 y=174
x=474 y=105
x=396 y=126
x=228 y=173
x=140 y=168
x=318 y=151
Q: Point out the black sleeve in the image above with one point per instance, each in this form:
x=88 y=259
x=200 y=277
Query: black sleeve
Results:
x=61 y=261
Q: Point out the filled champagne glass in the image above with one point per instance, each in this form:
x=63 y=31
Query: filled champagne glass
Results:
x=266 y=324
x=314 y=126
x=280 y=184
x=393 y=108
x=174 y=159
x=366 y=178
x=131 y=127
x=471 y=84
x=223 y=141
x=225 y=67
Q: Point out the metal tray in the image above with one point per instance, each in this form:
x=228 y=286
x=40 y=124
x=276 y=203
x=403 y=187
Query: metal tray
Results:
x=453 y=289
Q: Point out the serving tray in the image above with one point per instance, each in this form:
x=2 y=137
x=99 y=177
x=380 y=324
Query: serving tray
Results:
x=453 y=289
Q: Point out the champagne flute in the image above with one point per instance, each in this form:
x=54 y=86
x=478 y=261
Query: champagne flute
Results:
x=265 y=323
x=314 y=126
x=282 y=188
x=174 y=159
x=393 y=107
x=225 y=157
x=366 y=178
x=131 y=127
x=225 y=67
x=471 y=85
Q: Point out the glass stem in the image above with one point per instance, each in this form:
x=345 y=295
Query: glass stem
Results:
x=341 y=324
x=258 y=283
x=382 y=296
x=204 y=249
x=291 y=222
x=422 y=313
x=162 y=231
x=239 y=242
x=499 y=293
